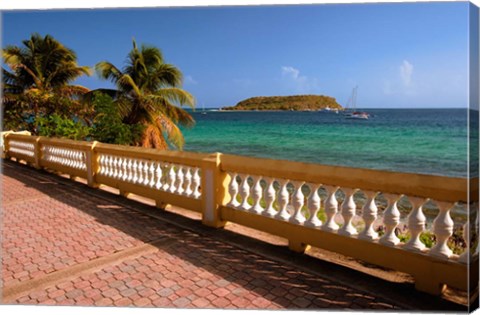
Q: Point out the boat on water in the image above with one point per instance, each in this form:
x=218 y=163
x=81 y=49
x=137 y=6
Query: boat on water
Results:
x=352 y=103
x=203 y=109
x=358 y=115
x=328 y=110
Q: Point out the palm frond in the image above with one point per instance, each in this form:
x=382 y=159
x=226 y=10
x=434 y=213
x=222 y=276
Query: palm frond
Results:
x=162 y=106
x=177 y=96
x=127 y=84
x=108 y=71
x=170 y=129
x=165 y=75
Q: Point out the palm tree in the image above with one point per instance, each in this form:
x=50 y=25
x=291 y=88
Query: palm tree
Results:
x=149 y=93
x=41 y=71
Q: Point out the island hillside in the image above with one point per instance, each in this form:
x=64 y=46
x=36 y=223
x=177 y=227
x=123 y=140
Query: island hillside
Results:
x=294 y=102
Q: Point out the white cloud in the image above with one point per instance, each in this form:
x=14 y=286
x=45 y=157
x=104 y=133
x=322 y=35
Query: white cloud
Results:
x=190 y=80
x=302 y=83
x=406 y=72
x=290 y=71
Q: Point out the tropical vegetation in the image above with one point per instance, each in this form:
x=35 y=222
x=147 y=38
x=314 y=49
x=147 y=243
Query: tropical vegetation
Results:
x=144 y=109
x=148 y=94
x=39 y=83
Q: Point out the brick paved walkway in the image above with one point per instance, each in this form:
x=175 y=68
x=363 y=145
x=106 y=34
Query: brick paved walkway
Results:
x=65 y=246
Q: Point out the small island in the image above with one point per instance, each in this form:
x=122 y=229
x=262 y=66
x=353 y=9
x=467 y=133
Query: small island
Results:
x=294 y=102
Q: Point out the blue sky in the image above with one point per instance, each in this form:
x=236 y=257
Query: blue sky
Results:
x=400 y=55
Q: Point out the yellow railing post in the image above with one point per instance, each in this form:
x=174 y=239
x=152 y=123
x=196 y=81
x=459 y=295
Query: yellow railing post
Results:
x=214 y=192
x=6 y=146
x=37 y=153
x=92 y=165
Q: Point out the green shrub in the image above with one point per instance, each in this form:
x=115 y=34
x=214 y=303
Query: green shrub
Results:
x=108 y=126
x=62 y=127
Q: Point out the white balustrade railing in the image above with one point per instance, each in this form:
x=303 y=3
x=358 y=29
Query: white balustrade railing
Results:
x=300 y=203
x=157 y=175
x=20 y=147
x=73 y=158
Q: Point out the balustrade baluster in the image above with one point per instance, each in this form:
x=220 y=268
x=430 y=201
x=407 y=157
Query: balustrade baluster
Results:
x=244 y=193
x=70 y=158
x=331 y=209
x=180 y=179
x=282 y=200
x=166 y=185
x=443 y=229
x=135 y=171
x=105 y=164
x=78 y=159
x=256 y=193
x=58 y=155
x=140 y=172
x=233 y=191
x=125 y=169
x=348 y=211
x=269 y=198
x=298 y=200
x=196 y=184
x=84 y=160
x=391 y=218
x=313 y=205
x=62 y=157
x=369 y=215
x=416 y=224
x=78 y=163
x=158 y=171
x=188 y=181
x=115 y=167
x=171 y=179
x=66 y=159
x=146 y=179
x=130 y=170
x=119 y=168
x=75 y=159
x=101 y=162
x=54 y=154
x=110 y=165
x=74 y=156
x=151 y=171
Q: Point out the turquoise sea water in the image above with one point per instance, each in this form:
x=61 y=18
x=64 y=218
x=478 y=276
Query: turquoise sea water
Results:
x=429 y=141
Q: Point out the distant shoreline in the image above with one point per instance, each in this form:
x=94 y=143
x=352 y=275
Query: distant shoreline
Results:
x=215 y=109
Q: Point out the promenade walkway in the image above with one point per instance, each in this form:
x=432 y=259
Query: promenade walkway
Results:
x=64 y=243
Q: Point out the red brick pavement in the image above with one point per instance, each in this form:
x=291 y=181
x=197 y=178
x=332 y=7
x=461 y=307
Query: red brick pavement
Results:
x=51 y=226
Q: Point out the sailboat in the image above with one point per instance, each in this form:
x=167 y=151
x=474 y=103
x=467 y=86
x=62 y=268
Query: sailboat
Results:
x=203 y=109
x=352 y=101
